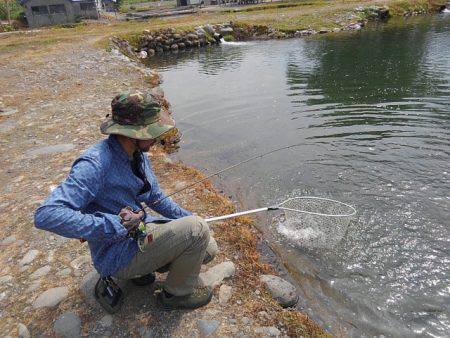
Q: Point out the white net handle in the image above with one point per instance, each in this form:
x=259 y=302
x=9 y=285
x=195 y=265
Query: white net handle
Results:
x=279 y=207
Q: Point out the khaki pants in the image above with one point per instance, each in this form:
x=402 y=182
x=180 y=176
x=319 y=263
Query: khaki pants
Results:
x=182 y=243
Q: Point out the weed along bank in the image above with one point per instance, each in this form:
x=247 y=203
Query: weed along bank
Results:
x=58 y=12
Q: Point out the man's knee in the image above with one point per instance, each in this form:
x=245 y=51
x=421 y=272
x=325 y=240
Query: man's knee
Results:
x=199 y=229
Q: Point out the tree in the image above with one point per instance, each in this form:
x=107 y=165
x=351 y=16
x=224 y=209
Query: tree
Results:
x=6 y=8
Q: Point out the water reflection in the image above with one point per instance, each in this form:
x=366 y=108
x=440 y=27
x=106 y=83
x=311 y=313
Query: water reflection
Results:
x=212 y=60
x=371 y=110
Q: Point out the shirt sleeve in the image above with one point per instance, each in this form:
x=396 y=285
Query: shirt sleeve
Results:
x=62 y=213
x=167 y=207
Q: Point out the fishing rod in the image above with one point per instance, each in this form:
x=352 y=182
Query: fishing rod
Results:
x=227 y=168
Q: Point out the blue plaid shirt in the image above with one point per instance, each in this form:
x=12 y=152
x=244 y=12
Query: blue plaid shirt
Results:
x=87 y=203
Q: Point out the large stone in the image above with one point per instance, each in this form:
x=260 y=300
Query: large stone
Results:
x=29 y=257
x=41 y=272
x=225 y=292
x=226 y=30
x=207 y=327
x=282 y=291
x=23 y=331
x=68 y=325
x=87 y=287
x=51 y=297
x=214 y=276
x=209 y=29
x=269 y=331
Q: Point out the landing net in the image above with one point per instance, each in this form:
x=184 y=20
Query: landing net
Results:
x=315 y=222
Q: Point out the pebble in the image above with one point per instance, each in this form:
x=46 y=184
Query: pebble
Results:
x=23 y=331
x=34 y=286
x=29 y=257
x=106 y=321
x=41 y=272
x=78 y=262
x=179 y=185
x=51 y=297
x=3 y=295
x=225 y=292
x=207 y=327
x=5 y=279
x=8 y=240
x=57 y=148
x=64 y=273
x=263 y=314
x=270 y=331
x=68 y=325
x=246 y=321
x=282 y=291
x=215 y=275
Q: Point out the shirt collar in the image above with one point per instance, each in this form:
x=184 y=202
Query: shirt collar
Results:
x=117 y=148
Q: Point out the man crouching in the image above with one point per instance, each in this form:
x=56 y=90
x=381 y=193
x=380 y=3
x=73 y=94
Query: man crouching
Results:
x=100 y=202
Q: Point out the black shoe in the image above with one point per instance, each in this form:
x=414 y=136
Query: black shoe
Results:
x=144 y=280
x=108 y=294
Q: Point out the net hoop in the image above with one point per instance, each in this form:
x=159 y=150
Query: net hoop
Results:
x=352 y=213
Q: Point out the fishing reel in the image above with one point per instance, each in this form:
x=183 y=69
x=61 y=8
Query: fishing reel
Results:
x=108 y=294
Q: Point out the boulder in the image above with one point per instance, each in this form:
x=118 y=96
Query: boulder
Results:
x=282 y=291
x=68 y=325
x=51 y=297
x=225 y=30
x=209 y=29
x=214 y=276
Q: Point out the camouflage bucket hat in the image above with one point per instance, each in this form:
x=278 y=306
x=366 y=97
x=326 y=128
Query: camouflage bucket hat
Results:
x=138 y=116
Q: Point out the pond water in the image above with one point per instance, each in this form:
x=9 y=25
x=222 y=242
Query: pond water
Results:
x=371 y=110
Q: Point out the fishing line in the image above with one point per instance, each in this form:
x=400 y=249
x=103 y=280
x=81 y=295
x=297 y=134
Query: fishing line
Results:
x=228 y=168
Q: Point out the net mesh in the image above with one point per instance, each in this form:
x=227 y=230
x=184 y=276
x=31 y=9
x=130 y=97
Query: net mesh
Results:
x=315 y=222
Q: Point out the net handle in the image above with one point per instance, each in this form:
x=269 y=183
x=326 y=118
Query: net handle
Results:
x=280 y=207
x=237 y=214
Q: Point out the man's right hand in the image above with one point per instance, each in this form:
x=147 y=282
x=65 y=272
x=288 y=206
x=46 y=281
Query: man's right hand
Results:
x=131 y=219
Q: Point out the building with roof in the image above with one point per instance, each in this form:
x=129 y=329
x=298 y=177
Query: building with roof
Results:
x=56 y=12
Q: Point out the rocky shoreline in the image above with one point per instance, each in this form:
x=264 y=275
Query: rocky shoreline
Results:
x=170 y=40
x=46 y=280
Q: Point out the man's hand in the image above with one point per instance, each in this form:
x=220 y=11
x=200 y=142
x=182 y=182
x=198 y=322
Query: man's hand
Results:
x=130 y=219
